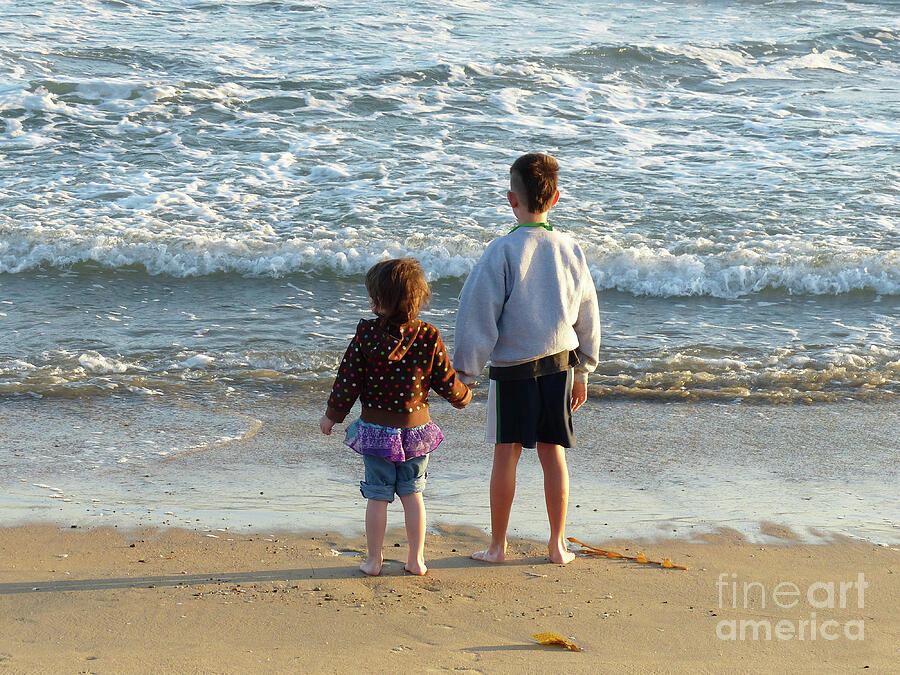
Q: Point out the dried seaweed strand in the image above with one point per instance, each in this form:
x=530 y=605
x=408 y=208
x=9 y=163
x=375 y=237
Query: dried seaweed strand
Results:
x=594 y=552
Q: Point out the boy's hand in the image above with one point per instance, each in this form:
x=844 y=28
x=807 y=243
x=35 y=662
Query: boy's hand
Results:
x=463 y=403
x=579 y=394
x=326 y=425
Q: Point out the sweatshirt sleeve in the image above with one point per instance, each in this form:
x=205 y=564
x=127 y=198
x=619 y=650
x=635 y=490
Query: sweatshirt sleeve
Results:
x=347 y=383
x=587 y=327
x=444 y=379
x=480 y=306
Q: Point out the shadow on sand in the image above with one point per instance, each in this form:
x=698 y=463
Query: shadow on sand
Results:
x=392 y=568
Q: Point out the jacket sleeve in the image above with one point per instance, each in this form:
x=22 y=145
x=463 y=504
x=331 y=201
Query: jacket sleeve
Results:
x=587 y=327
x=444 y=379
x=347 y=384
x=480 y=306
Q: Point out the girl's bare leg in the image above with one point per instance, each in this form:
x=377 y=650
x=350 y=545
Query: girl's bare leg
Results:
x=556 y=494
x=503 y=489
x=376 y=523
x=414 y=510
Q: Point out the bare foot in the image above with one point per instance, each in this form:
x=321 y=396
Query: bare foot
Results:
x=492 y=554
x=561 y=555
x=372 y=567
x=416 y=568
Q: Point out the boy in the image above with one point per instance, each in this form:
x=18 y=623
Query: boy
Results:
x=530 y=306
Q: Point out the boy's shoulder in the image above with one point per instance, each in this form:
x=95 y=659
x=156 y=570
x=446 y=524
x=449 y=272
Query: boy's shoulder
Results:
x=508 y=253
x=512 y=243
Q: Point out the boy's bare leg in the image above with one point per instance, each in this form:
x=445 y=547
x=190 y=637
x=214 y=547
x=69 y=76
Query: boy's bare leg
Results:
x=556 y=494
x=503 y=489
x=414 y=510
x=376 y=522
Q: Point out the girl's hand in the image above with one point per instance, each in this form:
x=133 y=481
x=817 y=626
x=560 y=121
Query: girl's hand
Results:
x=326 y=425
x=463 y=403
x=579 y=394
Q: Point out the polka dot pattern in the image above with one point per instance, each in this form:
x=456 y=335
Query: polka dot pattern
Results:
x=394 y=372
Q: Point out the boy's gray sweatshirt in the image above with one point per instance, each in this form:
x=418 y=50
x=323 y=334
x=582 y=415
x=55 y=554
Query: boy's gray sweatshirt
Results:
x=530 y=295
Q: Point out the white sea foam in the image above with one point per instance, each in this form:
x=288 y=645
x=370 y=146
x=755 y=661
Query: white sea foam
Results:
x=198 y=361
x=646 y=271
x=697 y=266
x=327 y=172
x=862 y=367
x=827 y=60
x=713 y=57
x=97 y=363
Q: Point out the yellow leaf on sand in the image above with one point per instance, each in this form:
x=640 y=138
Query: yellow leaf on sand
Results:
x=641 y=559
x=554 y=639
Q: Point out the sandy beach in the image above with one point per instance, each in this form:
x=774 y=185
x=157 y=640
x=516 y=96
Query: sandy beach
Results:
x=111 y=601
x=155 y=566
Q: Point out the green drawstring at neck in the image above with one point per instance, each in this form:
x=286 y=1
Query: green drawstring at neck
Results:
x=546 y=226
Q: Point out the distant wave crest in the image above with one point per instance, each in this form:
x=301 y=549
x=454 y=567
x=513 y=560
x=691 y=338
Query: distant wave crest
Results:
x=639 y=269
x=657 y=272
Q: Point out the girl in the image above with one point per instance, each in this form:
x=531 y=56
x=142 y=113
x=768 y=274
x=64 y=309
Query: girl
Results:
x=390 y=364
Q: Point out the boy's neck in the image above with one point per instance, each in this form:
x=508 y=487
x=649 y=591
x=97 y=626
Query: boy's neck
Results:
x=528 y=217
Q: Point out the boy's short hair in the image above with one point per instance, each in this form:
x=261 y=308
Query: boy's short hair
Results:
x=534 y=178
x=398 y=289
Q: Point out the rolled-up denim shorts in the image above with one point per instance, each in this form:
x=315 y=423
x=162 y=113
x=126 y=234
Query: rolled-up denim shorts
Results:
x=384 y=477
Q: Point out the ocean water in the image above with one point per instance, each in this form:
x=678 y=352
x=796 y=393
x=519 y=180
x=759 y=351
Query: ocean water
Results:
x=191 y=191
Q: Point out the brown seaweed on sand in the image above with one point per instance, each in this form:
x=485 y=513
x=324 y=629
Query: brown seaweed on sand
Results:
x=594 y=552
x=554 y=639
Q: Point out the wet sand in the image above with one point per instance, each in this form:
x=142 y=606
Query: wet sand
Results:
x=639 y=469
x=111 y=601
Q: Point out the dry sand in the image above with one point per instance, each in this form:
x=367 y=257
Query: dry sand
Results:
x=107 y=601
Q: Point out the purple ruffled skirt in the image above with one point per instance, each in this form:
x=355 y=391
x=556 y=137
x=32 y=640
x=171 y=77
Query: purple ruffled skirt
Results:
x=391 y=443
